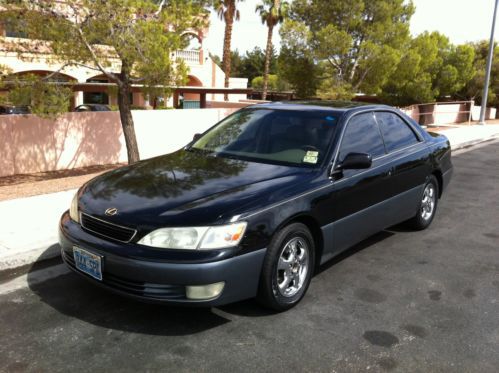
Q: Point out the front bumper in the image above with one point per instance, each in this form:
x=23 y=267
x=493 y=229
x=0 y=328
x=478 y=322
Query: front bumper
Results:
x=160 y=281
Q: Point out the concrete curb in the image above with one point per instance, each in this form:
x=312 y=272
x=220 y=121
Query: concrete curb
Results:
x=467 y=144
x=43 y=252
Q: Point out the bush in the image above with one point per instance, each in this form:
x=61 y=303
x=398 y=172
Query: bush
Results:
x=275 y=83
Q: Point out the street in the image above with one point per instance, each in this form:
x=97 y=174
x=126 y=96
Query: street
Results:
x=399 y=301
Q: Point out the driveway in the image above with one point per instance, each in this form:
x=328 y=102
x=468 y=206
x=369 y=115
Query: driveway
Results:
x=400 y=301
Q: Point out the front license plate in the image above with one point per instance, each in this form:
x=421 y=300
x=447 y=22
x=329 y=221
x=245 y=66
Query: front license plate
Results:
x=89 y=263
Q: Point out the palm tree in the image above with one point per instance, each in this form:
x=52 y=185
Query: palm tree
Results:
x=228 y=12
x=272 y=13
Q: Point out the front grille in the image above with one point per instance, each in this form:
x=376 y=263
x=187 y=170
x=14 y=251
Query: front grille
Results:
x=106 y=229
x=143 y=289
x=146 y=289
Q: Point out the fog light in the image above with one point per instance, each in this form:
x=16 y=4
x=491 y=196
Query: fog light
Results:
x=204 y=291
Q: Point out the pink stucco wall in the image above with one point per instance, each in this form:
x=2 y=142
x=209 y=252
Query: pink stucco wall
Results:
x=227 y=104
x=31 y=144
x=446 y=113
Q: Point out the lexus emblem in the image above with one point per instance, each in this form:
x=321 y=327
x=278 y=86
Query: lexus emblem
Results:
x=111 y=211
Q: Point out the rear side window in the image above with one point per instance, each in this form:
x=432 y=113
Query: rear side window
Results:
x=396 y=133
x=362 y=136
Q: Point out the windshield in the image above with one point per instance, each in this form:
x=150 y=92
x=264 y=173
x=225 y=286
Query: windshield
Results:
x=298 y=138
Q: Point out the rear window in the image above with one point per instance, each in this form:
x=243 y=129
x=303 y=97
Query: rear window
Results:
x=396 y=132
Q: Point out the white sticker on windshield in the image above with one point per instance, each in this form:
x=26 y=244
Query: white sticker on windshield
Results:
x=311 y=157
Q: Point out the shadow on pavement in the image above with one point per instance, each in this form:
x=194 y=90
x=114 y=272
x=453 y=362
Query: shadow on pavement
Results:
x=251 y=308
x=75 y=297
x=378 y=237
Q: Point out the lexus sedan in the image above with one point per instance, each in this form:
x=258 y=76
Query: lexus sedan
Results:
x=254 y=205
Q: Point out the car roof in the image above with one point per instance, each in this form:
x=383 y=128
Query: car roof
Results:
x=337 y=106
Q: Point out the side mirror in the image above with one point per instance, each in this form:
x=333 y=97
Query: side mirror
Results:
x=356 y=161
x=196 y=137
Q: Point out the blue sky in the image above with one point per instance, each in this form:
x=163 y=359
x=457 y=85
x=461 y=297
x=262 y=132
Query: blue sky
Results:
x=460 y=20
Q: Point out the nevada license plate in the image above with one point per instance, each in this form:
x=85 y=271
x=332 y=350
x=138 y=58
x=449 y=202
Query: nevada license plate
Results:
x=89 y=263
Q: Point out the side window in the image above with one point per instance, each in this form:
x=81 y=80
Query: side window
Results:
x=362 y=136
x=396 y=132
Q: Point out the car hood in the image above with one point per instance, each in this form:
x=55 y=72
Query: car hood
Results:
x=186 y=188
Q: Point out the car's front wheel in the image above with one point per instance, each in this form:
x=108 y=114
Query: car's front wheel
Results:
x=287 y=268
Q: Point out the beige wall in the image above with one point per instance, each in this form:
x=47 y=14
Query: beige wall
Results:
x=30 y=144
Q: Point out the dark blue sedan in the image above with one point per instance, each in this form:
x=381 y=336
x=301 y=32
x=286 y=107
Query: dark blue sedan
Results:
x=254 y=205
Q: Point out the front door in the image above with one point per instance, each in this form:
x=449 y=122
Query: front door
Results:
x=356 y=200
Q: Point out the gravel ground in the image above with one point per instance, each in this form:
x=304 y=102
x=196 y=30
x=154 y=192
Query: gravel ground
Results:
x=26 y=185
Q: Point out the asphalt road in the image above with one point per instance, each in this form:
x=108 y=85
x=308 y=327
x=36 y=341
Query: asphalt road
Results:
x=400 y=301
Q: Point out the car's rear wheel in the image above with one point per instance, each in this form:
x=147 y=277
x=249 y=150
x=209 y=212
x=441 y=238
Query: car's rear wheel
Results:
x=427 y=205
x=287 y=268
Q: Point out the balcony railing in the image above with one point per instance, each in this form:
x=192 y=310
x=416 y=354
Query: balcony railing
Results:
x=10 y=44
x=190 y=56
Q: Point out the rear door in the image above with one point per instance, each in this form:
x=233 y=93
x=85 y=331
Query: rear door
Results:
x=408 y=156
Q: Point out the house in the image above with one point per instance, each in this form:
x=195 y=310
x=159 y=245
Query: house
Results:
x=205 y=77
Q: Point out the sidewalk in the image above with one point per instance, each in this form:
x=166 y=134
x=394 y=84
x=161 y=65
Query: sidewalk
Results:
x=463 y=136
x=29 y=224
x=29 y=228
x=30 y=208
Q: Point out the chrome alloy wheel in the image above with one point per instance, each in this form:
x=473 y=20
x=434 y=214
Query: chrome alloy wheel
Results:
x=428 y=202
x=292 y=267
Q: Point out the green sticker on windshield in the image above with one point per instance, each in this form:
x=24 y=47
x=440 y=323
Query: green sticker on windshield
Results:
x=311 y=157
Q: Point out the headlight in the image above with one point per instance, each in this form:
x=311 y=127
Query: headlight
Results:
x=175 y=238
x=192 y=238
x=73 y=209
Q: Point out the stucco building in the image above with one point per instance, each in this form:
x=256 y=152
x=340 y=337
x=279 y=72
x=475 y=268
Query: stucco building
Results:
x=92 y=87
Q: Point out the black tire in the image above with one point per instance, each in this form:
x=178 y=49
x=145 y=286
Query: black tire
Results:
x=269 y=294
x=418 y=222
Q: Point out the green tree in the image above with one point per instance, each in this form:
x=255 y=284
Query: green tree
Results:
x=250 y=64
x=275 y=83
x=253 y=63
x=228 y=12
x=296 y=63
x=473 y=89
x=129 y=41
x=272 y=12
x=430 y=68
x=236 y=61
x=44 y=97
x=354 y=45
x=216 y=59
